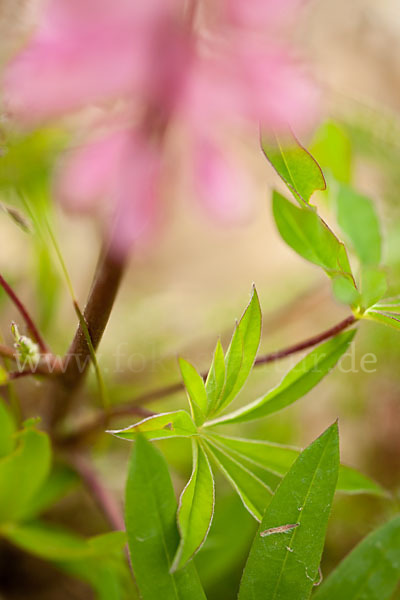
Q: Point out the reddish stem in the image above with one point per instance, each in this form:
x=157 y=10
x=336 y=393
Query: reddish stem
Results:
x=25 y=315
x=135 y=407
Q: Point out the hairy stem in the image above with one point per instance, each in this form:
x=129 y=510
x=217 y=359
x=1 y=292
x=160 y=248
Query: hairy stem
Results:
x=86 y=432
x=33 y=330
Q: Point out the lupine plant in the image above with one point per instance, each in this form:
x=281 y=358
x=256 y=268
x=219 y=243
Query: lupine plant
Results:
x=153 y=68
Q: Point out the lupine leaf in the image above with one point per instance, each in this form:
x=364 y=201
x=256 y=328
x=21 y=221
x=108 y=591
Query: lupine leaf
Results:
x=278 y=459
x=371 y=571
x=295 y=165
x=296 y=383
x=195 y=389
x=254 y=493
x=164 y=425
x=23 y=472
x=308 y=235
x=215 y=378
x=153 y=538
x=242 y=351
x=359 y=222
x=284 y=563
x=196 y=508
x=7 y=429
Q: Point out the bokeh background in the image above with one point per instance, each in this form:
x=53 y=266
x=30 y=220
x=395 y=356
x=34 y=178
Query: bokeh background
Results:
x=186 y=286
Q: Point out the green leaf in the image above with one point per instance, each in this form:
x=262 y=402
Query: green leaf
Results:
x=222 y=554
x=265 y=474
x=253 y=492
x=22 y=473
x=359 y=222
x=196 y=508
x=51 y=542
x=215 y=378
x=371 y=571
x=278 y=459
x=308 y=235
x=373 y=286
x=153 y=538
x=284 y=564
x=196 y=391
x=385 y=318
x=331 y=147
x=345 y=292
x=158 y=427
x=7 y=429
x=389 y=305
x=299 y=381
x=295 y=165
x=242 y=351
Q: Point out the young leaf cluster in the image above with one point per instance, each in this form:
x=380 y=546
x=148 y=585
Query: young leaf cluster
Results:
x=254 y=468
x=303 y=229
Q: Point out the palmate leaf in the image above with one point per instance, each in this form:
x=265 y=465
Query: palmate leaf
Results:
x=277 y=459
x=295 y=165
x=296 y=383
x=153 y=538
x=371 y=571
x=286 y=552
x=253 y=491
x=164 y=425
x=227 y=374
x=196 y=508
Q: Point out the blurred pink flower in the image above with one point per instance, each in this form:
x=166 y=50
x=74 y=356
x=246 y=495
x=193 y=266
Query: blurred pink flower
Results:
x=147 y=55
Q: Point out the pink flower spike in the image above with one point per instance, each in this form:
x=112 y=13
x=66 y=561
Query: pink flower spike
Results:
x=258 y=14
x=84 y=51
x=117 y=177
x=137 y=197
x=88 y=175
x=221 y=186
